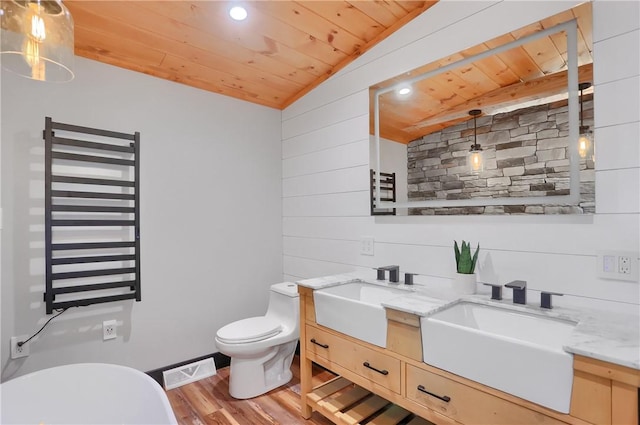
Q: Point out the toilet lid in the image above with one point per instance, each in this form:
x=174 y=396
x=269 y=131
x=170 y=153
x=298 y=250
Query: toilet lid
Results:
x=249 y=330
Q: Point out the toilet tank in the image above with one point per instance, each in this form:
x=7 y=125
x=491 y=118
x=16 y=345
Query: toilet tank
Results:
x=284 y=304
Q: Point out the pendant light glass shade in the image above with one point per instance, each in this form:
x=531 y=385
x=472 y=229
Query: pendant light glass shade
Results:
x=475 y=157
x=37 y=39
x=585 y=140
x=585 y=144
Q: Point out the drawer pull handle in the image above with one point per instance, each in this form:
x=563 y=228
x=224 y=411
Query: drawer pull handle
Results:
x=317 y=343
x=383 y=372
x=444 y=398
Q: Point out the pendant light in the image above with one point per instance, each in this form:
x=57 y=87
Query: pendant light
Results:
x=585 y=141
x=475 y=159
x=37 y=39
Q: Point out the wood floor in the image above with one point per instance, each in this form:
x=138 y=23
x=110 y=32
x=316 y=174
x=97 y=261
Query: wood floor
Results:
x=208 y=402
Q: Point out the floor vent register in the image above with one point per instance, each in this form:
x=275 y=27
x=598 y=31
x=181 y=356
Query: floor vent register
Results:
x=186 y=374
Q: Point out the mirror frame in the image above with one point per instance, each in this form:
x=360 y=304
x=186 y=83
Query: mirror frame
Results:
x=570 y=28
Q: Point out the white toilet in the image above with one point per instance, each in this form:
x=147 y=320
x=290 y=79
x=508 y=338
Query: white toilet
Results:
x=262 y=348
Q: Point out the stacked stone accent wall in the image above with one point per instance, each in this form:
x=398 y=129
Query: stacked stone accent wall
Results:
x=525 y=154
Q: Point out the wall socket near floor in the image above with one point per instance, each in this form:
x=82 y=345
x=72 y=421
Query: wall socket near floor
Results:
x=366 y=245
x=19 y=351
x=109 y=330
x=618 y=265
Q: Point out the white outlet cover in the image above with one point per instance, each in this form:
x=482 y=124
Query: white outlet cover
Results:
x=608 y=265
x=109 y=330
x=18 y=352
x=367 y=245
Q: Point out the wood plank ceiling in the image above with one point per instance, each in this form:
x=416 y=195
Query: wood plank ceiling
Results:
x=279 y=53
x=533 y=71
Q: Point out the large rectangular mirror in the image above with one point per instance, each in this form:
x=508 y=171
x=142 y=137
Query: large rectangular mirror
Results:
x=504 y=127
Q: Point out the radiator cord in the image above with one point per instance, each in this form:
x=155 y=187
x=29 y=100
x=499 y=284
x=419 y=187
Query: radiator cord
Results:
x=21 y=343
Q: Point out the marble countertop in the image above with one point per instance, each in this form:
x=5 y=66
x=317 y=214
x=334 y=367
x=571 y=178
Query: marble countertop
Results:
x=605 y=335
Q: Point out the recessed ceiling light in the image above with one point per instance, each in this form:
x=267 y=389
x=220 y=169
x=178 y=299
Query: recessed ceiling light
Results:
x=404 y=91
x=238 y=13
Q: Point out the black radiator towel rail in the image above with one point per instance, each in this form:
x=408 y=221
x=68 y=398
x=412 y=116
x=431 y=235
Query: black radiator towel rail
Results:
x=66 y=196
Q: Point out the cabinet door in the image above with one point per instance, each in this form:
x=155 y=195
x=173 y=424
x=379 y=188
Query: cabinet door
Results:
x=591 y=398
x=625 y=402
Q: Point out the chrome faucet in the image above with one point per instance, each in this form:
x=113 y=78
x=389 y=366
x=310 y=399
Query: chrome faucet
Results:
x=394 y=273
x=519 y=291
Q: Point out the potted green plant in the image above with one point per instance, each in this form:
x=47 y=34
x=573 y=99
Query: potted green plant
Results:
x=465 y=278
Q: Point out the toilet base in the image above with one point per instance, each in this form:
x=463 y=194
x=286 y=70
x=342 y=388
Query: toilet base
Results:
x=250 y=378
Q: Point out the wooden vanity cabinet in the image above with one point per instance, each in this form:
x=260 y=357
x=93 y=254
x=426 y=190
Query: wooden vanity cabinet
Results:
x=602 y=393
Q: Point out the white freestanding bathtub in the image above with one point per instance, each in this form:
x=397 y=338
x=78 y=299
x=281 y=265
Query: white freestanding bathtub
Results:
x=85 y=393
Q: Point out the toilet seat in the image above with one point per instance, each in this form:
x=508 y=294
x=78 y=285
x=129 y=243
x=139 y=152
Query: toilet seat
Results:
x=248 y=330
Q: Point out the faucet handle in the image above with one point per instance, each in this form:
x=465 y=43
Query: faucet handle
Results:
x=408 y=278
x=545 y=299
x=496 y=290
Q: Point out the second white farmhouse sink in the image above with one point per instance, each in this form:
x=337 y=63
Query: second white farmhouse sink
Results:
x=513 y=351
x=356 y=309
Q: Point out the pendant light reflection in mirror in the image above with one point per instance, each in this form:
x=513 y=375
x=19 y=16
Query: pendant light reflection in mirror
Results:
x=585 y=141
x=475 y=157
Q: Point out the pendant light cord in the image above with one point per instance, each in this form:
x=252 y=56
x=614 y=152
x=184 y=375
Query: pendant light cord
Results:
x=475 y=132
x=474 y=113
x=581 y=111
x=582 y=87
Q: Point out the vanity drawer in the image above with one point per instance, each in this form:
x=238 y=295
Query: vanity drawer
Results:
x=466 y=404
x=321 y=343
x=377 y=367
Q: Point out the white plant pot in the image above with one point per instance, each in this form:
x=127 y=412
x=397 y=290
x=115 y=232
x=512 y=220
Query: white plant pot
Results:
x=464 y=284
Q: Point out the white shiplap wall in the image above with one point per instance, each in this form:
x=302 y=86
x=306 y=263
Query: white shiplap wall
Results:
x=326 y=161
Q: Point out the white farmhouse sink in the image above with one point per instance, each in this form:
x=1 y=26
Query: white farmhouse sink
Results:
x=355 y=309
x=516 y=352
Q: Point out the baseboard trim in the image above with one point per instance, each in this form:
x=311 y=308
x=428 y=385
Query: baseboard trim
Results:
x=219 y=359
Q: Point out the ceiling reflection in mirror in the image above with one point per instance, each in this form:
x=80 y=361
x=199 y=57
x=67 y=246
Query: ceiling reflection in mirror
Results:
x=525 y=131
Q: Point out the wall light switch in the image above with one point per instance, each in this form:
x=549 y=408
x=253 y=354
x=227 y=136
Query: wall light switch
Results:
x=609 y=263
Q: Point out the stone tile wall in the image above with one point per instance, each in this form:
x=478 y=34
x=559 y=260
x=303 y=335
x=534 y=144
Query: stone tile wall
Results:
x=525 y=154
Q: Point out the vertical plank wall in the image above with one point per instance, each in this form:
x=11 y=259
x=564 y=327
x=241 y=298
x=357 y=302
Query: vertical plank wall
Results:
x=325 y=166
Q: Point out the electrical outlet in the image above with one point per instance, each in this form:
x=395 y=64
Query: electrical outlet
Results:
x=366 y=245
x=109 y=330
x=19 y=351
x=618 y=265
x=624 y=265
